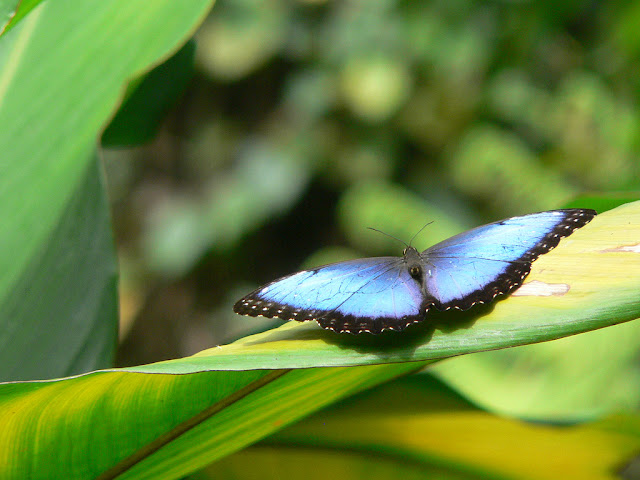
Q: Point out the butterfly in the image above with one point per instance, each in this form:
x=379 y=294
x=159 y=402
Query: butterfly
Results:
x=391 y=293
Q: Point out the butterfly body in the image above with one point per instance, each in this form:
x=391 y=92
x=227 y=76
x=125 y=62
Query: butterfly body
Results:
x=390 y=293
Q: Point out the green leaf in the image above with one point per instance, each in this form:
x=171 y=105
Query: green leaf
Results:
x=12 y=11
x=68 y=290
x=7 y=12
x=416 y=428
x=531 y=381
x=56 y=255
x=165 y=426
x=158 y=426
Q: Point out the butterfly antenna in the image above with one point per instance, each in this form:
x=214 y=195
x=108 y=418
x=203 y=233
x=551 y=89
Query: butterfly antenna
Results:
x=388 y=235
x=418 y=232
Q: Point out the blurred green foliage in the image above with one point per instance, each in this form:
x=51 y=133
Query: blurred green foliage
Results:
x=308 y=121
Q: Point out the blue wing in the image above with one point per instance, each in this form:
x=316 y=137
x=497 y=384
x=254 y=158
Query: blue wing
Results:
x=390 y=293
x=365 y=295
x=494 y=259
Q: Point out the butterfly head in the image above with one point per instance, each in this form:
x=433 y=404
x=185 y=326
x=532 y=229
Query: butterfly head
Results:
x=413 y=261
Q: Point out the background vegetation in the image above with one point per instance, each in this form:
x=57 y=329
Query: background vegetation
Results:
x=267 y=137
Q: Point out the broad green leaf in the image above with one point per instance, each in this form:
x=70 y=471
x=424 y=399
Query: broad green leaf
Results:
x=164 y=426
x=62 y=72
x=531 y=381
x=60 y=317
x=415 y=428
x=114 y=423
x=7 y=12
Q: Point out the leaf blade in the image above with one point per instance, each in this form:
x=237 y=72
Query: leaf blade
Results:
x=53 y=104
x=121 y=413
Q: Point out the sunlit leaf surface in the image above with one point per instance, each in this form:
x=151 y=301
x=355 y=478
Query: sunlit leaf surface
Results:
x=415 y=428
x=164 y=426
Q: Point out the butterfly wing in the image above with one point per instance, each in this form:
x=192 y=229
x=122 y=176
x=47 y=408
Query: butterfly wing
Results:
x=376 y=294
x=493 y=259
x=365 y=295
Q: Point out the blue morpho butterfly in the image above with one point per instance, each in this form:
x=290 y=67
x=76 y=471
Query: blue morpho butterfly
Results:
x=390 y=293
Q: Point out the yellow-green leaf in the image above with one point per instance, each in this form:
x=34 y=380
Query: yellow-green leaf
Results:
x=132 y=425
x=415 y=428
x=201 y=408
